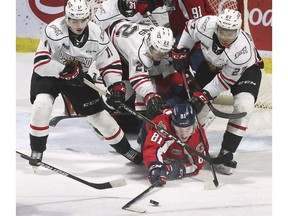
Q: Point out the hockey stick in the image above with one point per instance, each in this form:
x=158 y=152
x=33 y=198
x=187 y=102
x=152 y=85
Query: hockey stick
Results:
x=54 y=121
x=152 y=19
x=207 y=185
x=215 y=111
x=218 y=160
x=99 y=186
x=127 y=206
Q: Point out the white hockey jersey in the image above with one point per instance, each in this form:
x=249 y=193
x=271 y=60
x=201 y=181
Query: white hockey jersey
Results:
x=232 y=61
x=130 y=41
x=56 y=47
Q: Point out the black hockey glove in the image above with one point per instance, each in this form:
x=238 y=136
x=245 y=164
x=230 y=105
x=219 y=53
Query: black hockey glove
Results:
x=73 y=74
x=175 y=170
x=154 y=105
x=157 y=173
x=180 y=59
x=117 y=94
x=199 y=99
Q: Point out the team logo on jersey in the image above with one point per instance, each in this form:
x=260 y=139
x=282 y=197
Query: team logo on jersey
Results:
x=243 y=51
x=56 y=30
x=46 y=10
x=86 y=62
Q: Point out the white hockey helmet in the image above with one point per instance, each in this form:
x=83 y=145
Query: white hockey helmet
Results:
x=228 y=26
x=230 y=19
x=77 y=9
x=161 y=39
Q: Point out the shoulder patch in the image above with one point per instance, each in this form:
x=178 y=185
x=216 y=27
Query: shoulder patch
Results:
x=243 y=51
x=57 y=31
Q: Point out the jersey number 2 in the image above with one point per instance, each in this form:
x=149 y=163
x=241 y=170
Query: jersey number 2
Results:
x=126 y=30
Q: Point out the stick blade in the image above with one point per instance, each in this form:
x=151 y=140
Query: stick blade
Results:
x=135 y=209
x=118 y=182
x=107 y=185
x=210 y=185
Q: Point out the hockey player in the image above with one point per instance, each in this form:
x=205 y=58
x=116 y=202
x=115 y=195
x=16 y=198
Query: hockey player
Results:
x=184 y=10
x=140 y=46
x=231 y=62
x=66 y=50
x=163 y=157
x=112 y=10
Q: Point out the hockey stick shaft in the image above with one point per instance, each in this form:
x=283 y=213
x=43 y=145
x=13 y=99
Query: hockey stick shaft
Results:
x=219 y=160
x=215 y=180
x=140 y=195
x=215 y=111
x=152 y=19
x=54 y=121
x=99 y=186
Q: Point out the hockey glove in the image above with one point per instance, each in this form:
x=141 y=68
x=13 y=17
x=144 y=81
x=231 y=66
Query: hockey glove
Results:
x=180 y=58
x=73 y=74
x=154 y=105
x=175 y=170
x=199 y=99
x=142 y=6
x=117 y=94
x=157 y=173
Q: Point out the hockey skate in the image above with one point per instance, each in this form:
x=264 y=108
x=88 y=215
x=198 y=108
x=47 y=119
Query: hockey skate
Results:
x=134 y=156
x=37 y=156
x=227 y=168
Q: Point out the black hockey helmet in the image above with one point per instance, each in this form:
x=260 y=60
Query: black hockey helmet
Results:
x=127 y=7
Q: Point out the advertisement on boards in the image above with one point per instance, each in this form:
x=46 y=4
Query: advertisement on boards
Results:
x=47 y=10
x=260 y=23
